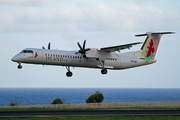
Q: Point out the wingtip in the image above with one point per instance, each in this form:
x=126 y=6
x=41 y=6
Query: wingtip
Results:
x=173 y=33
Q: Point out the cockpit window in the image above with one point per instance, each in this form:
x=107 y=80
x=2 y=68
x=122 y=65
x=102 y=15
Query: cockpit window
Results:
x=26 y=51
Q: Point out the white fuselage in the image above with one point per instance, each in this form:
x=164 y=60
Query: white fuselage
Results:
x=71 y=58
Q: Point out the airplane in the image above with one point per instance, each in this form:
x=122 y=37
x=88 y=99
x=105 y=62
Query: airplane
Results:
x=100 y=58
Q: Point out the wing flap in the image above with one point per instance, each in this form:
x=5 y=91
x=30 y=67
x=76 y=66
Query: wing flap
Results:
x=119 y=47
x=107 y=67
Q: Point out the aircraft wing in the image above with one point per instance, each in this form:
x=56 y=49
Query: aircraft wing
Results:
x=118 y=48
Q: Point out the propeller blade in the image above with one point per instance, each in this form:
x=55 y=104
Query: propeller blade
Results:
x=83 y=50
x=43 y=47
x=84 y=44
x=87 y=49
x=49 y=46
x=79 y=45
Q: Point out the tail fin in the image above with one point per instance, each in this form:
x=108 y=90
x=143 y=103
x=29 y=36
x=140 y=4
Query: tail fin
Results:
x=150 y=46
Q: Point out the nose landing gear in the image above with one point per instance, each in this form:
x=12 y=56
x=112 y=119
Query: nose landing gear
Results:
x=69 y=74
x=19 y=66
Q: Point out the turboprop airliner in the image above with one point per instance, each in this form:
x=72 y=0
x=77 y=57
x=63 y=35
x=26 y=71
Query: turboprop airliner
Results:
x=101 y=58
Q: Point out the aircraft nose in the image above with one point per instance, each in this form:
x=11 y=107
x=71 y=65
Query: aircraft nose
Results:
x=16 y=58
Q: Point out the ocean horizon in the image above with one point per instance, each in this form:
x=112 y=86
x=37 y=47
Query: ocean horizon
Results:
x=42 y=96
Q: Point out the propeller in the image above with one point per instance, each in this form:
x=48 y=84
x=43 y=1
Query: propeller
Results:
x=82 y=50
x=49 y=46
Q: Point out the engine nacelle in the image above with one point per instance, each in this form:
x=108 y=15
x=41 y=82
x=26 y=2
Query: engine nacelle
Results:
x=98 y=54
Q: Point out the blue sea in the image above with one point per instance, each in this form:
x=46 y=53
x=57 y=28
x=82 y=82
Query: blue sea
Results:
x=42 y=96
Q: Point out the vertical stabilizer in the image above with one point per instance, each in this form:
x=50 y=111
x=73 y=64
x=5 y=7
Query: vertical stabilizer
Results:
x=150 y=46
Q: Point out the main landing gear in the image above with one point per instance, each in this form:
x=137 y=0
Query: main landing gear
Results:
x=19 y=66
x=69 y=73
x=104 y=70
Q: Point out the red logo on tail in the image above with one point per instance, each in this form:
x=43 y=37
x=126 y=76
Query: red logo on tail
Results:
x=151 y=49
x=36 y=54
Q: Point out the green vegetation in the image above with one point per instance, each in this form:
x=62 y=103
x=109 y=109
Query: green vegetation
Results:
x=95 y=98
x=12 y=104
x=15 y=103
x=101 y=118
x=49 y=108
x=57 y=101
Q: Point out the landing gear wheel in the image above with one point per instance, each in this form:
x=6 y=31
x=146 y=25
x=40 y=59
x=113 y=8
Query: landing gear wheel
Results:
x=69 y=74
x=19 y=66
x=104 y=71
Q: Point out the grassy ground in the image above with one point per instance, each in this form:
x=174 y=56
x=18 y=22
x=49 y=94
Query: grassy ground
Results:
x=102 y=118
x=33 y=108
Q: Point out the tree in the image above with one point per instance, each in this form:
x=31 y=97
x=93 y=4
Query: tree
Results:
x=57 y=101
x=15 y=103
x=12 y=104
x=95 y=98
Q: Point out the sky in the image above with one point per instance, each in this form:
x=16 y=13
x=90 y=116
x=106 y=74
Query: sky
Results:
x=103 y=23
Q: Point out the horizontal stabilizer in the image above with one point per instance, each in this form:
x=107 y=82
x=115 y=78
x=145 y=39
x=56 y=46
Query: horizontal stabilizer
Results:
x=153 y=33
